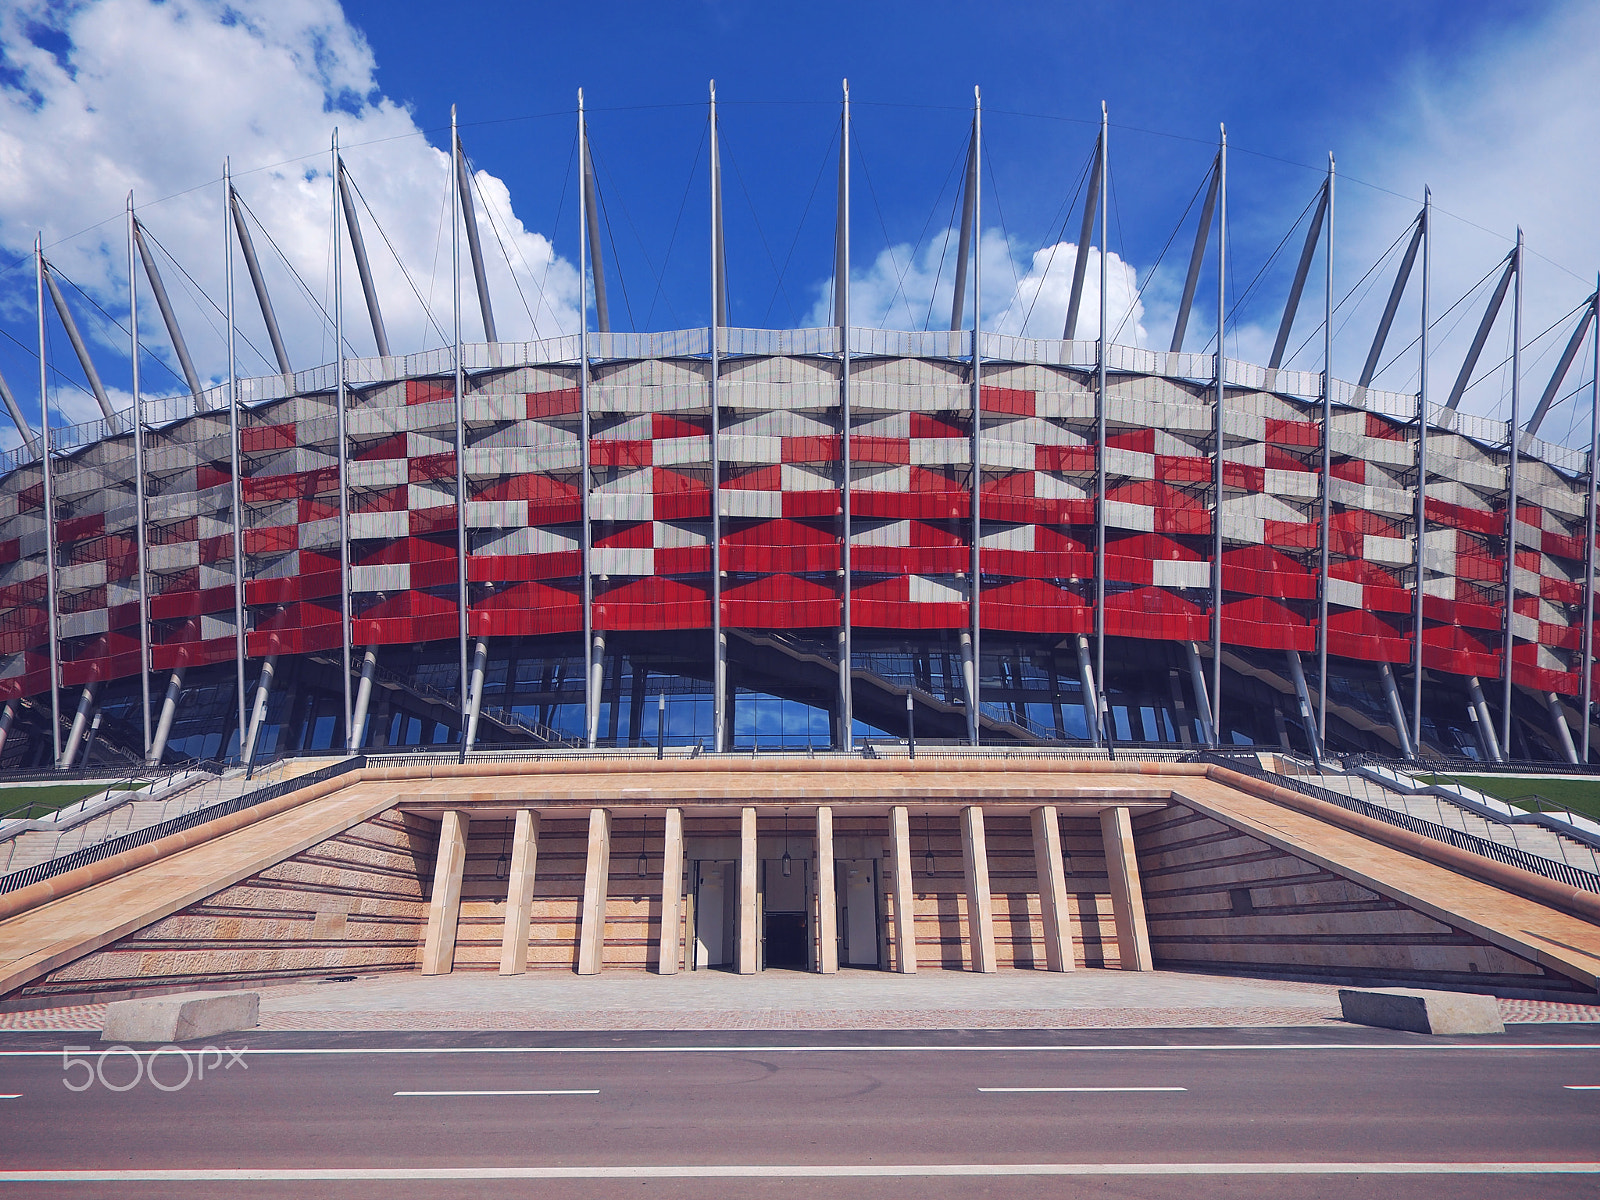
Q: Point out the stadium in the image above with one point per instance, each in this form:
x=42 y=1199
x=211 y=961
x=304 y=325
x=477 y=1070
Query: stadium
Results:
x=797 y=539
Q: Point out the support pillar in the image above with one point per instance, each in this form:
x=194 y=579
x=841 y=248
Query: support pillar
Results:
x=358 y=719
x=1558 y=717
x=905 y=926
x=1397 y=713
x=1485 y=724
x=519 y=893
x=444 y=908
x=746 y=962
x=169 y=709
x=8 y=714
x=1127 y=897
x=969 y=684
x=258 y=711
x=597 y=674
x=980 y=903
x=827 y=896
x=1308 y=716
x=670 y=953
x=80 y=724
x=1202 y=698
x=1051 y=871
x=1091 y=701
x=596 y=874
x=480 y=659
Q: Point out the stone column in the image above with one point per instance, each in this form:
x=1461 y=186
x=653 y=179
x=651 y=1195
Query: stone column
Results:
x=592 y=920
x=444 y=909
x=827 y=901
x=1127 y=898
x=1051 y=870
x=671 y=894
x=905 y=925
x=980 y=904
x=519 y=893
x=749 y=935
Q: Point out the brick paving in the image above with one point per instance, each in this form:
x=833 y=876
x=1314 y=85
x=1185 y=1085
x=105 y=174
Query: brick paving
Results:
x=633 y=1000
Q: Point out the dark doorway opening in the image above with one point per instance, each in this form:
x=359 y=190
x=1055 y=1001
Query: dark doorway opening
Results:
x=785 y=940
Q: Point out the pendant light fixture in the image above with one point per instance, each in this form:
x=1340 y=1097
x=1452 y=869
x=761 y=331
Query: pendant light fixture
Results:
x=644 y=863
x=502 y=866
x=788 y=863
x=928 y=863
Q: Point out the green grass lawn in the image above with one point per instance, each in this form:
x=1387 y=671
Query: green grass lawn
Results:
x=1580 y=795
x=45 y=799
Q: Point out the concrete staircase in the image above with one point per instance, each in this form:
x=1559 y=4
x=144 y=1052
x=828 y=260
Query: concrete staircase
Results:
x=137 y=812
x=1441 y=810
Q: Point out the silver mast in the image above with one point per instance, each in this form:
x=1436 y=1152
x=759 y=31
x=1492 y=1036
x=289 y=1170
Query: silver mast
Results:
x=975 y=614
x=1327 y=471
x=719 y=299
x=841 y=306
x=1589 y=555
x=1098 y=732
x=591 y=688
x=168 y=317
x=352 y=735
x=1425 y=231
x=52 y=617
x=458 y=203
x=591 y=208
x=79 y=348
x=469 y=214
x=138 y=488
x=1511 y=501
x=1221 y=441
x=247 y=247
x=358 y=246
x=1196 y=258
x=14 y=410
x=1080 y=263
x=235 y=461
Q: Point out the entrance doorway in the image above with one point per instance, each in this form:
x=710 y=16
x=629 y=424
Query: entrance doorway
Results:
x=785 y=927
x=857 y=889
x=716 y=899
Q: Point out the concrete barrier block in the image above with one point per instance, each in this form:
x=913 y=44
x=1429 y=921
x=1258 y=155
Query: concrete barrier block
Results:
x=182 y=1017
x=1421 y=1011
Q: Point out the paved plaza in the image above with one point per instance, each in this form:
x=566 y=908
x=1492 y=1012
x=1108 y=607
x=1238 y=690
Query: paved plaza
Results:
x=636 y=1000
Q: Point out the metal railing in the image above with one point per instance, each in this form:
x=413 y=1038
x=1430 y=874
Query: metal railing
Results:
x=504 y=717
x=1511 y=856
x=208 y=806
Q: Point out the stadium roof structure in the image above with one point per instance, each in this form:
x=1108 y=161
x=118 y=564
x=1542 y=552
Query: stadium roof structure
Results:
x=799 y=537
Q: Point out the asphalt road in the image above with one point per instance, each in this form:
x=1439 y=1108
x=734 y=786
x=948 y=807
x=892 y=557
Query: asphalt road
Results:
x=1189 y=1113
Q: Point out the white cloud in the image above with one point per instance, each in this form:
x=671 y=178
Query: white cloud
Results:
x=1024 y=293
x=1506 y=135
x=99 y=98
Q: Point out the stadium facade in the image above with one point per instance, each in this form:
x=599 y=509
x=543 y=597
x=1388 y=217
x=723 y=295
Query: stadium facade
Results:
x=750 y=538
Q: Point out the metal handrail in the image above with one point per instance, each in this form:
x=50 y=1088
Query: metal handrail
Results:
x=189 y=819
x=1511 y=856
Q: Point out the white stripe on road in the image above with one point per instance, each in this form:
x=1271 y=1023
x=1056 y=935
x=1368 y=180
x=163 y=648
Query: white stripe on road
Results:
x=1084 y=1089
x=12 y=1096
x=855 y=1049
x=796 y=1171
x=567 y=1092
x=1571 y=1087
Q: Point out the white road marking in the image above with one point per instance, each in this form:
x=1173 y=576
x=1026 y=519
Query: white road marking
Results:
x=1493 y=1048
x=12 y=1096
x=794 y=1171
x=566 y=1092
x=1571 y=1087
x=1083 y=1089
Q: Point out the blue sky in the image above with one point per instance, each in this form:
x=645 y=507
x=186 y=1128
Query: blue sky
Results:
x=1494 y=104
